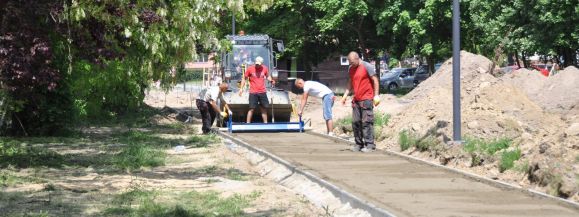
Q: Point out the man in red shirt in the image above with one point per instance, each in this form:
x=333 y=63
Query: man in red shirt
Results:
x=364 y=82
x=257 y=93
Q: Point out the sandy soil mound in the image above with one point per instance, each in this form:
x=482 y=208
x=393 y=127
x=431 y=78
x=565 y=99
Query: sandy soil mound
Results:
x=510 y=107
x=556 y=94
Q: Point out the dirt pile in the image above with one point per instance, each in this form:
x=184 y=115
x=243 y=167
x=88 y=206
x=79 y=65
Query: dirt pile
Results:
x=556 y=94
x=510 y=107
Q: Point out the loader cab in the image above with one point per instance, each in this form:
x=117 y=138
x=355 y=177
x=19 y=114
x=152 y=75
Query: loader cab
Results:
x=245 y=48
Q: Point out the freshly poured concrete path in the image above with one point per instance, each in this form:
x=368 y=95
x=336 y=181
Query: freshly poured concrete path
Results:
x=401 y=186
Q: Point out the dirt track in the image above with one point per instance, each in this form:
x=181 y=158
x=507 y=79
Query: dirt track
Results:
x=401 y=186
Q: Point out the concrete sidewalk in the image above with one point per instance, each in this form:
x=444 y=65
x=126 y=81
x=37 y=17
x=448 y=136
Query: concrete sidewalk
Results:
x=401 y=186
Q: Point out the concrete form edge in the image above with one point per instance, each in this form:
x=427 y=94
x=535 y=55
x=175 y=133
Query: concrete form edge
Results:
x=343 y=195
x=472 y=176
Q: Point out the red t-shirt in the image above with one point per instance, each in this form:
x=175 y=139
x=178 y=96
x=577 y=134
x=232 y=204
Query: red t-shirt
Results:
x=257 y=76
x=361 y=81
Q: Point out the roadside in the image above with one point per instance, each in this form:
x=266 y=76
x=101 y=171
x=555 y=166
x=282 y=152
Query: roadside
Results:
x=149 y=164
x=521 y=128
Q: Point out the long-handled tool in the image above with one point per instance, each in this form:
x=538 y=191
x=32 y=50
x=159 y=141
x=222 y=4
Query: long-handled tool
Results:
x=271 y=104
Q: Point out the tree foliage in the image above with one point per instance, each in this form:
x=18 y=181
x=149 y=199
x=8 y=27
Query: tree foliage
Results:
x=96 y=58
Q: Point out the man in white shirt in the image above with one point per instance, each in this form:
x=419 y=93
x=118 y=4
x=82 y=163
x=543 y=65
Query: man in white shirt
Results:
x=318 y=90
x=207 y=105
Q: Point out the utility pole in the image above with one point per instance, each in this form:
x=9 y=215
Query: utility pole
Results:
x=233 y=23
x=456 y=119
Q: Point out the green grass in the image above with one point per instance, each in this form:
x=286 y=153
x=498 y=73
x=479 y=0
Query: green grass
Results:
x=214 y=171
x=346 y=121
x=134 y=156
x=202 y=141
x=408 y=140
x=380 y=119
x=9 y=179
x=508 y=159
x=473 y=145
x=405 y=140
x=235 y=174
x=24 y=155
x=138 y=202
x=480 y=149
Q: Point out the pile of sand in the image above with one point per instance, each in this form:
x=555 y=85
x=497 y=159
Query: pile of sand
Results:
x=524 y=106
x=556 y=94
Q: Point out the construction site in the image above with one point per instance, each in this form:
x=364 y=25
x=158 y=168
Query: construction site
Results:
x=289 y=108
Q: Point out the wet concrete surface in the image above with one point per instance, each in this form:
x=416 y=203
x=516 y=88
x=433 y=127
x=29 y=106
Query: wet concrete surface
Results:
x=401 y=186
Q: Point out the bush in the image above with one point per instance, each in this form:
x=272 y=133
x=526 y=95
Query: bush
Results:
x=407 y=140
x=508 y=159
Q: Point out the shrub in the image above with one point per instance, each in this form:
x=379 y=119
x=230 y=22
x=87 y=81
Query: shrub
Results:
x=508 y=159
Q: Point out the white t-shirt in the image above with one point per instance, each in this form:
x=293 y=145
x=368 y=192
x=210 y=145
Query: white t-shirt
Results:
x=314 y=88
x=211 y=93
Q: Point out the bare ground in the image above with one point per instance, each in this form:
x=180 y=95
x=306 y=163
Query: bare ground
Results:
x=87 y=189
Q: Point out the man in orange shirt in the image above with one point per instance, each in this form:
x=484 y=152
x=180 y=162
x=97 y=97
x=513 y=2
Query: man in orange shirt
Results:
x=257 y=93
x=364 y=83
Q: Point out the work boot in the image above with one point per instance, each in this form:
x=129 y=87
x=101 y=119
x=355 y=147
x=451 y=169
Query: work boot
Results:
x=356 y=148
x=367 y=150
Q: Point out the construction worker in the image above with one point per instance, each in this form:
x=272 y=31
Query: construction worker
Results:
x=207 y=105
x=364 y=82
x=319 y=90
x=257 y=74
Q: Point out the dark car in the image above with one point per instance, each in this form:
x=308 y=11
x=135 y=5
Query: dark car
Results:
x=398 y=78
x=421 y=74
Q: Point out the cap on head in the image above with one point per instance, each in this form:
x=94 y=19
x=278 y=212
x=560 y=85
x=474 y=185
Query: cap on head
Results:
x=258 y=60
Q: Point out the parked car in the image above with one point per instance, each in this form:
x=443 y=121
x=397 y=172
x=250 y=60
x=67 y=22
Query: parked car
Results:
x=421 y=74
x=398 y=78
x=437 y=66
x=510 y=69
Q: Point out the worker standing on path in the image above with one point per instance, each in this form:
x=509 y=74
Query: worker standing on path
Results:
x=319 y=90
x=257 y=74
x=207 y=105
x=364 y=82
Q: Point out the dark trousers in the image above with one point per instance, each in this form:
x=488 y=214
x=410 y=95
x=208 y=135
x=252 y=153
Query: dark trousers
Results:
x=363 y=123
x=207 y=115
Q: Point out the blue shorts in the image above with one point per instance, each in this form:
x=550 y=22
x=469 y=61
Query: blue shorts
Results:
x=328 y=102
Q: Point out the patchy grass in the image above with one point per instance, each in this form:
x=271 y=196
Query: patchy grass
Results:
x=381 y=119
x=481 y=149
x=235 y=174
x=202 y=141
x=161 y=203
x=9 y=179
x=24 y=155
x=405 y=140
x=346 y=121
x=508 y=159
x=134 y=156
x=214 y=171
x=522 y=167
x=473 y=145
x=408 y=140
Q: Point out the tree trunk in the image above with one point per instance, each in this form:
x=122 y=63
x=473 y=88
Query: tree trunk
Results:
x=517 y=59
x=430 y=63
x=524 y=59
